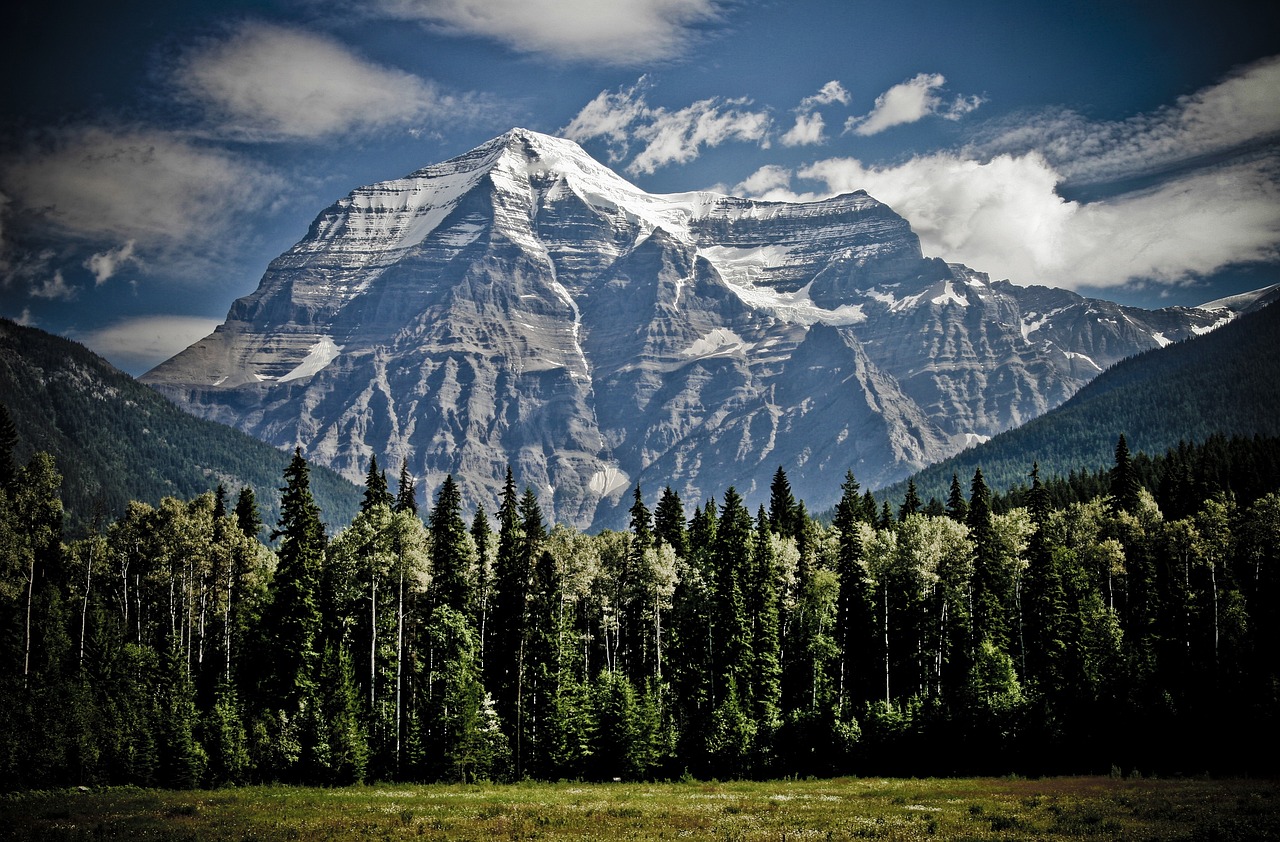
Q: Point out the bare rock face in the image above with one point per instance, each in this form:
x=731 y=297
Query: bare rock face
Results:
x=523 y=305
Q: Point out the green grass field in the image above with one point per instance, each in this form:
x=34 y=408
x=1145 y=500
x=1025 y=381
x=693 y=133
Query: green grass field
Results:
x=846 y=808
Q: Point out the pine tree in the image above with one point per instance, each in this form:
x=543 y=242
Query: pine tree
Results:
x=911 y=503
x=855 y=613
x=782 y=505
x=8 y=444
x=375 y=487
x=669 y=523
x=731 y=629
x=450 y=551
x=957 y=508
x=762 y=609
x=292 y=622
x=989 y=592
x=407 y=491
x=247 y=517
x=1124 y=480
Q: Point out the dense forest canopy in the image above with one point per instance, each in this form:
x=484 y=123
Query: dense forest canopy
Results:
x=1134 y=630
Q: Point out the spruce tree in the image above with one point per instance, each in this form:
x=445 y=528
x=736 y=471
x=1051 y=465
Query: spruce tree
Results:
x=669 y=523
x=911 y=502
x=248 y=518
x=782 y=505
x=1124 y=480
x=762 y=609
x=292 y=621
x=855 y=613
x=989 y=616
x=406 y=491
x=450 y=553
x=731 y=629
x=8 y=444
x=375 y=487
x=957 y=508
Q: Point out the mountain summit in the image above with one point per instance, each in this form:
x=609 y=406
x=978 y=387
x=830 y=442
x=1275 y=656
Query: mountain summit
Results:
x=522 y=304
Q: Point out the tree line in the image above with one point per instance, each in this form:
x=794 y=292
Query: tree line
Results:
x=173 y=647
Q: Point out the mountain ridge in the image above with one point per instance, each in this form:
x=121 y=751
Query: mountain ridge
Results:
x=522 y=305
x=115 y=440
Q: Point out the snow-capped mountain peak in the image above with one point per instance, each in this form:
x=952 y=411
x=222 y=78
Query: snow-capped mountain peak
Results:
x=523 y=305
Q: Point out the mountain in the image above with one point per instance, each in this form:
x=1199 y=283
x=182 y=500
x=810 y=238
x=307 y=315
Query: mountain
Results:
x=523 y=305
x=115 y=440
x=1227 y=383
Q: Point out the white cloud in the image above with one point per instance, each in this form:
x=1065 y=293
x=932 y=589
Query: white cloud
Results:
x=104 y=265
x=807 y=131
x=677 y=137
x=910 y=101
x=828 y=94
x=613 y=32
x=1239 y=112
x=668 y=137
x=266 y=82
x=139 y=344
x=611 y=115
x=1004 y=217
x=159 y=190
x=54 y=288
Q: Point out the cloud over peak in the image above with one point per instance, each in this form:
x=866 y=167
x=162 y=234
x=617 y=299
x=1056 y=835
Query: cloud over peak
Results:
x=910 y=101
x=666 y=137
x=267 y=82
x=620 y=32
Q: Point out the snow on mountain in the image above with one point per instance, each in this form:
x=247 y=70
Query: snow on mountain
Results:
x=522 y=304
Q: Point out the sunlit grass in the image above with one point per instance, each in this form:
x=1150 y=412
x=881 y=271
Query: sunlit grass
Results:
x=845 y=808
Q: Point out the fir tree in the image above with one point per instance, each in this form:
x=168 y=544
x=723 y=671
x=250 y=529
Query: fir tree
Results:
x=375 y=487
x=855 y=613
x=406 y=491
x=669 y=523
x=989 y=618
x=782 y=505
x=957 y=508
x=248 y=518
x=911 y=502
x=8 y=445
x=762 y=609
x=450 y=553
x=292 y=622
x=1124 y=480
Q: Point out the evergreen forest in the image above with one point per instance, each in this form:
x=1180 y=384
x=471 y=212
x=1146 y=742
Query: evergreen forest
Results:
x=1132 y=630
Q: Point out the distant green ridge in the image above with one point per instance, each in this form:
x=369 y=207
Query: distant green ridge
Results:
x=116 y=440
x=1226 y=382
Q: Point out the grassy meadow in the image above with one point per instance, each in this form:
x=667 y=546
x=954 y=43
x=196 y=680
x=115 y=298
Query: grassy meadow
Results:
x=846 y=808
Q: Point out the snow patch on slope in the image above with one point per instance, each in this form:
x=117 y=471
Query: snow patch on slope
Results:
x=321 y=354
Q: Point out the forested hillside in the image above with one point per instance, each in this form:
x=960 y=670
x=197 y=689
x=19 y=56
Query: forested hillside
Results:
x=1224 y=383
x=175 y=649
x=116 y=440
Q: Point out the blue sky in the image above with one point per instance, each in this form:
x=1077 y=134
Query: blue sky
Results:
x=154 y=157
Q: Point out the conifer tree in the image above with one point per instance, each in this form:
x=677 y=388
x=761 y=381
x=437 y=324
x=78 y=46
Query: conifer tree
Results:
x=1044 y=597
x=669 y=522
x=450 y=551
x=782 y=505
x=731 y=629
x=375 y=487
x=762 y=610
x=855 y=613
x=1124 y=480
x=957 y=508
x=248 y=519
x=989 y=618
x=406 y=491
x=911 y=502
x=292 y=622
x=8 y=444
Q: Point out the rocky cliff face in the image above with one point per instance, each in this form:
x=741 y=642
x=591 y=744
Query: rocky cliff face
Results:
x=524 y=305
